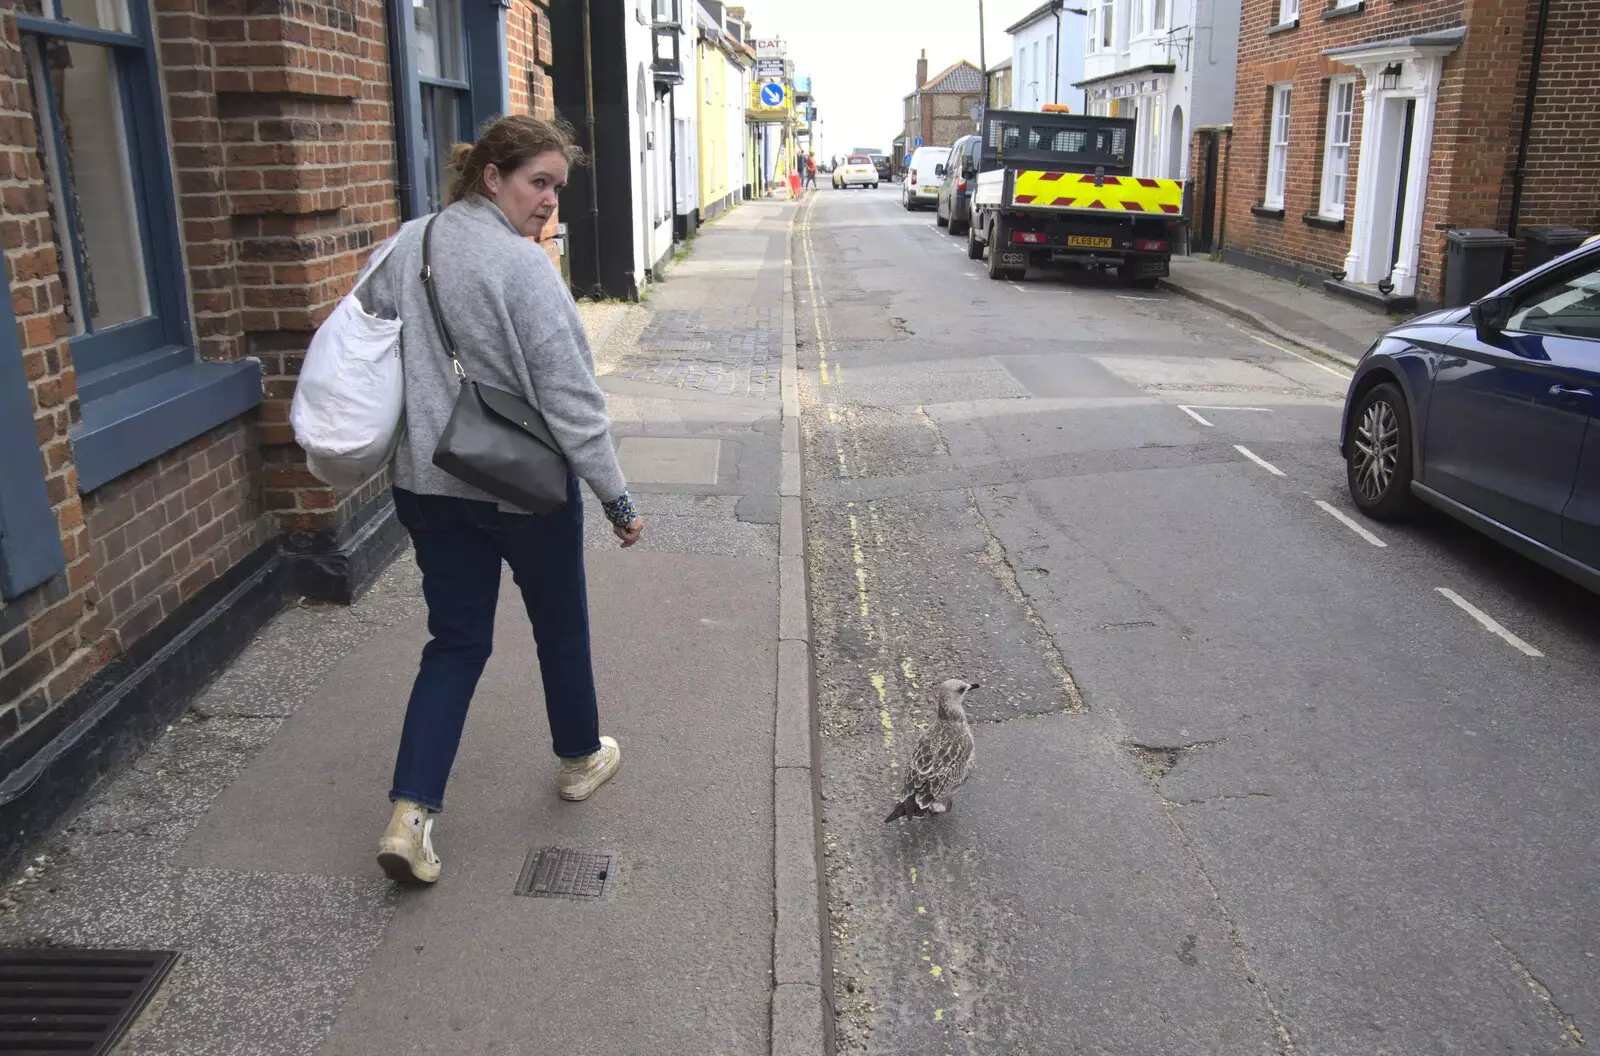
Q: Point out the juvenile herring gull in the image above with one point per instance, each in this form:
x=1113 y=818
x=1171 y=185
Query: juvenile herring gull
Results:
x=942 y=760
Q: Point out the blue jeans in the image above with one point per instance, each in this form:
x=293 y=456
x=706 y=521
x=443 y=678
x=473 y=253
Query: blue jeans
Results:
x=459 y=546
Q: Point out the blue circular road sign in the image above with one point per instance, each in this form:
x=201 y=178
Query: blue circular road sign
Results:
x=772 y=94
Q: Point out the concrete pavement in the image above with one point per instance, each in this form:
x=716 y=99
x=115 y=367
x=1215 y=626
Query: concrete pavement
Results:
x=1304 y=316
x=245 y=837
x=1247 y=780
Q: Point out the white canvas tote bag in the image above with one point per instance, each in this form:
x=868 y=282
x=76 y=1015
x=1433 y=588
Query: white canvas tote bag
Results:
x=351 y=394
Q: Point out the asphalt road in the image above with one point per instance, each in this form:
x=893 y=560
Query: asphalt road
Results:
x=1252 y=776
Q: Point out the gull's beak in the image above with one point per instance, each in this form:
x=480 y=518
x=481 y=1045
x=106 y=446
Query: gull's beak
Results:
x=973 y=686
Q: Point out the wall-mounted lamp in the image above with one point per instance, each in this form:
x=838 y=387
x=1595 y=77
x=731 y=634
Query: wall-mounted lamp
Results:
x=1389 y=79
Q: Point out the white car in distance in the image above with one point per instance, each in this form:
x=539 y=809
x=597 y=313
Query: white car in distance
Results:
x=857 y=171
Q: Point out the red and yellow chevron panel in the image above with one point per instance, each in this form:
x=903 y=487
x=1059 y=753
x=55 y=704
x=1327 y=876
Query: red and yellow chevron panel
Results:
x=1077 y=190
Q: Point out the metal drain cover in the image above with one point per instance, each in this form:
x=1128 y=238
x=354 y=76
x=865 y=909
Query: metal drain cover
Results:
x=561 y=872
x=75 y=1001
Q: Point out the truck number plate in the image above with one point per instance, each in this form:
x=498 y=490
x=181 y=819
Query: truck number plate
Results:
x=1089 y=241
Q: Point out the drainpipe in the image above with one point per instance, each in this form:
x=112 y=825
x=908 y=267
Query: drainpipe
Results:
x=1527 y=125
x=672 y=159
x=598 y=292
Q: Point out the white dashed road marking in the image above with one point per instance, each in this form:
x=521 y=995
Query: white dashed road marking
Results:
x=1190 y=410
x=1488 y=622
x=1350 y=523
x=1258 y=460
x=1291 y=352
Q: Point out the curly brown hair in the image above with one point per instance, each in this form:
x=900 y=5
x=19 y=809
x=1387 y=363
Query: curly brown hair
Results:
x=508 y=144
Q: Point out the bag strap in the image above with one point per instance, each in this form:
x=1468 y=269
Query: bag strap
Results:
x=374 y=262
x=433 y=299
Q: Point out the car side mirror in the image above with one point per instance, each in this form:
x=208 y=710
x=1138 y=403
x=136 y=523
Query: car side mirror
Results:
x=1491 y=315
x=938 y=170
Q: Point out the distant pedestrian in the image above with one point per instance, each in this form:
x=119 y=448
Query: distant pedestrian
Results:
x=517 y=329
x=811 y=171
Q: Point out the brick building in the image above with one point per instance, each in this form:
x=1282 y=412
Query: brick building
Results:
x=186 y=189
x=1365 y=130
x=940 y=111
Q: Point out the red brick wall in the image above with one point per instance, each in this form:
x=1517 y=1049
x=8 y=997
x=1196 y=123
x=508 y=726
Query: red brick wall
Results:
x=1472 y=132
x=283 y=147
x=1564 y=146
x=301 y=129
x=52 y=639
x=528 y=60
x=168 y=529
x=1473 y=135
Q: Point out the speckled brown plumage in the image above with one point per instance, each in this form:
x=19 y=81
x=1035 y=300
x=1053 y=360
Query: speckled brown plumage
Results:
x=942 y=760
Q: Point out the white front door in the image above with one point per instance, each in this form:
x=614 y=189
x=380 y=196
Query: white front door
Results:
x=1399 y=100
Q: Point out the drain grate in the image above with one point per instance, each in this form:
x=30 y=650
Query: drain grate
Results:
x=560 y=872
x=74 y=1001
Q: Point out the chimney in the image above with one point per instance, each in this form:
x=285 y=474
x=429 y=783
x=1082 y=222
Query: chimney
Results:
x=922 y=69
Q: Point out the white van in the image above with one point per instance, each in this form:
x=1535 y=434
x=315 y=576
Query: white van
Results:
x=921 y=187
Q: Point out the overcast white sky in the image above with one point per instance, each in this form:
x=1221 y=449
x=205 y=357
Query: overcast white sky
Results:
x=862 y=54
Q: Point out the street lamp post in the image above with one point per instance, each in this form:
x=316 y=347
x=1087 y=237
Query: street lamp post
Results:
x=983 y=61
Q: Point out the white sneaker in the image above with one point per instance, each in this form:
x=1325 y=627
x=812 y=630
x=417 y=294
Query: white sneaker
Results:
x=406 y=850
x=580 y=777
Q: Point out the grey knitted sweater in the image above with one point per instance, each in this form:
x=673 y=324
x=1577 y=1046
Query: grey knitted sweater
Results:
x=515 y=327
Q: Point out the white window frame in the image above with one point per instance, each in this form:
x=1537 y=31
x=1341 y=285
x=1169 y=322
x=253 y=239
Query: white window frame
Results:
x=1336 y=146
x=1162 y=24
x=1278 y=146
x=1288 y=11
x=1108 y=25
x=1039 y=77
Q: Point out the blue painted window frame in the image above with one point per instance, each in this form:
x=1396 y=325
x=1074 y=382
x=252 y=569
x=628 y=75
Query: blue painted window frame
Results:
x=142 y=389
x=94 y=353
x=482 y=97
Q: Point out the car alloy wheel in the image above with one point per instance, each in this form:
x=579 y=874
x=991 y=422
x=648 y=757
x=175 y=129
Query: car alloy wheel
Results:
x=1378 y=454
x=1377 y=446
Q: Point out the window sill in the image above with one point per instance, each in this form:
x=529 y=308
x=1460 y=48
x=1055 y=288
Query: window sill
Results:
x=1283 y=27
x=1325 y=223
x=1268 y=211
x=1343 y=10
x=123 y=430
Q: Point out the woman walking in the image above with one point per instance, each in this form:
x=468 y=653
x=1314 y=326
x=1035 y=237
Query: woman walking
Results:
x=516 y=328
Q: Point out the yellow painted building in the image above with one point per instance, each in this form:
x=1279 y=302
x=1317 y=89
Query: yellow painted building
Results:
x=713 y=128
x=721 y=70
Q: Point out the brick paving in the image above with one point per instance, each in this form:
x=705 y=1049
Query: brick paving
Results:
x=728 y=351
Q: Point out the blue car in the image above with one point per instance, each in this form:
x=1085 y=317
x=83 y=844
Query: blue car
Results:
x=1491 y=413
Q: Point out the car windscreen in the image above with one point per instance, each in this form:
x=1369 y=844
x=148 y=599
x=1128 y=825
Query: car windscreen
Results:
x=859 y=159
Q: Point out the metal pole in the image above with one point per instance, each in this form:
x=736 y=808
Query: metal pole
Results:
x=983 y=61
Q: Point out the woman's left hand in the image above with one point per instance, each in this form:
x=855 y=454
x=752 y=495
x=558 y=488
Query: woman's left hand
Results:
x=629 y=533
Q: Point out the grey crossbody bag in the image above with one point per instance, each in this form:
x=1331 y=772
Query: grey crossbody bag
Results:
x=494 y=440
